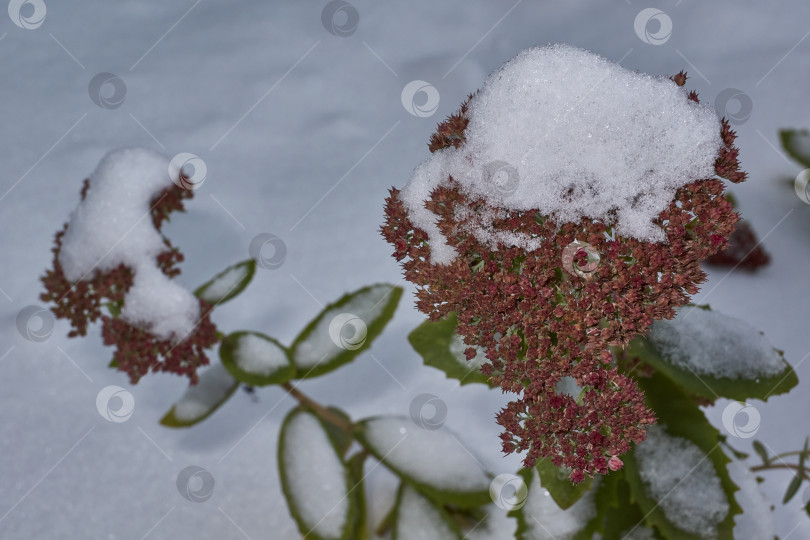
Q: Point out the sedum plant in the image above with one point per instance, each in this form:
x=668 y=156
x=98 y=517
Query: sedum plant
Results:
x=555 y=238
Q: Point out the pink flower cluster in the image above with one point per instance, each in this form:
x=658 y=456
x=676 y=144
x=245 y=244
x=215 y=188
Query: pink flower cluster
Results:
x=550 y=312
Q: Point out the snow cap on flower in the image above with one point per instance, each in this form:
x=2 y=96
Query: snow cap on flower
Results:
x=109 y=256
x=592 y=222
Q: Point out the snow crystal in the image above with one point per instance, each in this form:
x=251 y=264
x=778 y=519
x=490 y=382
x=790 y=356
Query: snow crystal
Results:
x=679 y=476
x=577 y=136
x=547 y=521
x=320 y=345
x=254 y=354
x=225 y=284
x=711 y=343
x=317 y=478
x=419 y=519
x=433 y=457
x=756 y=522
x=457 y=348
x=215 y=383
x=113 y=225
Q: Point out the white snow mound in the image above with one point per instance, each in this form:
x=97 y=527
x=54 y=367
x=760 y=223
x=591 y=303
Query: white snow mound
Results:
x=113 y=226
x=566 y=132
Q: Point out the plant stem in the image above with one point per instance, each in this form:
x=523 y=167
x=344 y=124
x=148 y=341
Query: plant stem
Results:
x=321 y=411
x=772 y=466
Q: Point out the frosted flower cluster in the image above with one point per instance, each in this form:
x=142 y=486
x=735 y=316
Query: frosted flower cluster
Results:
x=619 y=165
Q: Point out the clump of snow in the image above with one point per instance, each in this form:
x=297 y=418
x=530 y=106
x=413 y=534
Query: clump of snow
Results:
x=681 y=478
x=547 y=521
x=317 y=481
x=255 y=354
x=433 y=457
x=323 y=343
x=457 y=348
x=711 y=343
x=579 y=136
x=223 y=285
x=113 y=226
x=214 y=385
x=756 y=522
x=419 y=519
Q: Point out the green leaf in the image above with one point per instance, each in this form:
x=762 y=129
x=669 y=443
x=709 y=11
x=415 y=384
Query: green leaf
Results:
x=344 y=329
x=302 y=480
x=759 y=448
x=792 y=488
x=114 y=308
x=557 y=481
x=539 y=512
x=343 y=440
x=214 y=388
x=227 y=283
x=440 y=347
x=447 y=472
x=357 y=491
x=113 y=363
x=796 y=143
x=652 y=350
x=680 y=417
x=416 y=512
x=256 y=359
x=617 y=517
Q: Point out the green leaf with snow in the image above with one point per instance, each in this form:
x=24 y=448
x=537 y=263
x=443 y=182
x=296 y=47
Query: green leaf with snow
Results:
x=440 y=347
x=679 y=475
x=228 y=283
x=316 y=482
x=214 y=388
x=419 y=518
x=256 y=359
x=344 y=329
x=713 y=355
x=796 y=143
x=540 y=517
x=431 y=459
x=557 y=480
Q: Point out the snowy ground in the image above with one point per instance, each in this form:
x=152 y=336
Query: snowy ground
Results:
x=302 y=132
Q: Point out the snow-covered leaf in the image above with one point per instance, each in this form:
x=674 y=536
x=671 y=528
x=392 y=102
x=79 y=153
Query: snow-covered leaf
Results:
x=796 y=143
x=315 y=480
x=557 y=481
x=215 y=386
x=541 y=519
x=256 y=359
x=344 y=329
x=419 y=518
x=434 y=461
x=713 y=355
x=227 y=283
x=679 y=476
x=441 y=348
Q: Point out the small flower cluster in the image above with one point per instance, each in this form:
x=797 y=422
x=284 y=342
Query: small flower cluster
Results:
x=548 y=313
x=137 y=351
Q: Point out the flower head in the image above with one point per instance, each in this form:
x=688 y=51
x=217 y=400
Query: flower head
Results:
x=138 y=350
x=554 y=304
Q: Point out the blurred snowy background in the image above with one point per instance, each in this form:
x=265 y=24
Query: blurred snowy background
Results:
x=302 y=132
